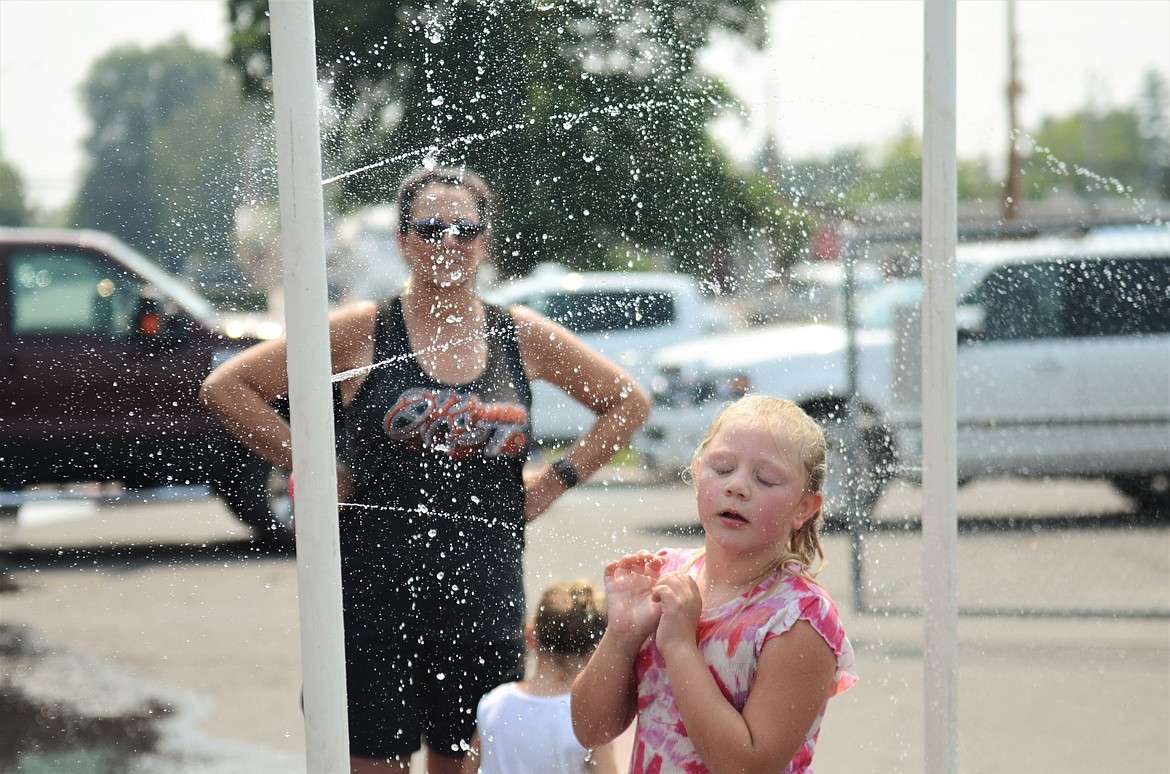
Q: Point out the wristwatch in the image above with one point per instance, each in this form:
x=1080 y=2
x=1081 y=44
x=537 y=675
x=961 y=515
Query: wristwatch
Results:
x=565 y=472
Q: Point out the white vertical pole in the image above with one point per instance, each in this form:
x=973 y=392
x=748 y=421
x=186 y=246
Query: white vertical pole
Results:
x=302 y=232
x=939 y=468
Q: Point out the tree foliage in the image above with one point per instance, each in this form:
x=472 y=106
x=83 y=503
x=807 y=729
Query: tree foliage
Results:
x=14 y=211
x=1121 y=151
x=210 y=158
x=1153 y=112
x=1084 y=153
x=891 y=172
x=1094 y=152
x=587 y=116
x=167 y=151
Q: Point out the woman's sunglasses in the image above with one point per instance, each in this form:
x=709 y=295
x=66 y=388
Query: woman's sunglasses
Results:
x=464 y=232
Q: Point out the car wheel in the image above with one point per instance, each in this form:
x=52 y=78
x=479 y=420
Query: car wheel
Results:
x=854 y=481
x=1151 y=493
x=257 y=493
x=280 y=505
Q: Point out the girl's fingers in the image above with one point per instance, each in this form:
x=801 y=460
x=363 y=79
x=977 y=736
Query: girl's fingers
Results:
x=671 y=580
x=675 y=589
x=664 y=589
x=642 y=562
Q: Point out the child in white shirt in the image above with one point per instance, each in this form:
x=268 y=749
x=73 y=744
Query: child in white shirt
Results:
x=526 y=726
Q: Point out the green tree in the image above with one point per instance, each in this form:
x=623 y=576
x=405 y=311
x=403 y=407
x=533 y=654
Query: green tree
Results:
x=14 y=211
x=897 y=175
x=1153 y=111
x=1114 y=152
x=823 y=183
x=207 y=159
x=164 y=151
x=857 y=175
x=588 y=117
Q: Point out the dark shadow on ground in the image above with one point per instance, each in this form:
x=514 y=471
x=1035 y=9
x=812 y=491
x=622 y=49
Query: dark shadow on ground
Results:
x=128 y=556
x=48 y=727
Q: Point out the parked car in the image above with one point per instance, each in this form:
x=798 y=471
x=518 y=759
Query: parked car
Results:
x=627 y=316
x=1063 y=369
x=102 y=353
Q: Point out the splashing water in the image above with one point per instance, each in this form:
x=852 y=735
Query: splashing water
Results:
x=441 y=347
x=431 y=155
x=1106 y=184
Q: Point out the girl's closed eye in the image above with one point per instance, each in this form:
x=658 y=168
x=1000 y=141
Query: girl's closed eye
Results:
x=720 y=466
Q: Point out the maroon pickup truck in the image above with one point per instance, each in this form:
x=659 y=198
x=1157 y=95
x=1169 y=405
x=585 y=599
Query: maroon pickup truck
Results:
x=101 y=356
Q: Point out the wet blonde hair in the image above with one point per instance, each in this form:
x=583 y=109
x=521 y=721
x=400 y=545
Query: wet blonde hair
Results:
x=789 y=423
x=570 y=618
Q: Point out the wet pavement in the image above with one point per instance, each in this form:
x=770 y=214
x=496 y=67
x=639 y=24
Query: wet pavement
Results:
x=157 y=638
x=64 y=712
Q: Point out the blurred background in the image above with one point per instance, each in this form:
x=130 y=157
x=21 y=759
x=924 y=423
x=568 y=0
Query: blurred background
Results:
x=722 y=195
x=729 y=144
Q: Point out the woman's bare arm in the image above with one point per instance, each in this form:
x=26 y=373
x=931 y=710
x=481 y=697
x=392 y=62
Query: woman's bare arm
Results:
x=553 y=354
x=240 y=391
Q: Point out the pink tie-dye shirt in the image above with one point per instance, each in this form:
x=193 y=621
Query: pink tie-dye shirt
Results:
x=730 y=638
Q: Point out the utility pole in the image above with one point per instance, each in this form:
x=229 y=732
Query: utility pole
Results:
x=1011 y=194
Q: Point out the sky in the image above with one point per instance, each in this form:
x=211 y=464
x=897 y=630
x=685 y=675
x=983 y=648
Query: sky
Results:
x=836 y=73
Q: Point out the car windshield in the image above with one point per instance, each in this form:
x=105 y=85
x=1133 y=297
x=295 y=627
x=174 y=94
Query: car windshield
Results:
x=876 y=307
x=597 y=311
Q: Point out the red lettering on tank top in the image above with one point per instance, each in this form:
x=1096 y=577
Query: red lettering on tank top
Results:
x=459 y=425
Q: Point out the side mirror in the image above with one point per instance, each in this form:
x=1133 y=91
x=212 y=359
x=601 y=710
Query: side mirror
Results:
x=970 y=320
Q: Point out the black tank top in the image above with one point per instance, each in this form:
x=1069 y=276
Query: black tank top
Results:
x=433 y=535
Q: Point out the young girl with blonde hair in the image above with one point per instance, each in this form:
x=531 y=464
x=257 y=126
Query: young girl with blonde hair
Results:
x=726 y=655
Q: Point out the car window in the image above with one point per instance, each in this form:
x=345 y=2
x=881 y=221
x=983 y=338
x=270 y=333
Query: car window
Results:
x=66 y=292
x=1118 y=297
x=1022 y=302
x=876 y=308
x=598 y=311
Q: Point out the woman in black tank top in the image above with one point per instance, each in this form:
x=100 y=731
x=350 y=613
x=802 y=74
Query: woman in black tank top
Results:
x=434 y=491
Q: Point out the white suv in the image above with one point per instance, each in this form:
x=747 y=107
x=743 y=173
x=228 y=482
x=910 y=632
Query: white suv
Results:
x=1063 y=369
x=627 y=316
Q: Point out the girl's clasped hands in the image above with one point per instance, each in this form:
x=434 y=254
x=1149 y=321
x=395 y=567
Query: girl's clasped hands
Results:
x=643 y=601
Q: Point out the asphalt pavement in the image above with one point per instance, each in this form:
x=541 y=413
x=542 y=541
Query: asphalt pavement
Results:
x=169 y=611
